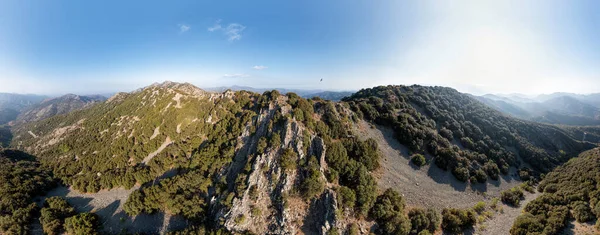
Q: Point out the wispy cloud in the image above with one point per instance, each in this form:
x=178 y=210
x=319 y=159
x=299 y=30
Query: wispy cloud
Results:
x=260 y=67
x=236 y=75
x=215 y=27
x=233 y=31
x=184 y=28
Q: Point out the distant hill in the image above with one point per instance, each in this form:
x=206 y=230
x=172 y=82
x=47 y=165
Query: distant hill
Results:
x=56 y=106
x=326 y=95
x=19 y=102
x=557 y=108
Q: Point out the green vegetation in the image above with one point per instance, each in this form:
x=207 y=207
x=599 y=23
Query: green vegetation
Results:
x=21 y=178
x=512 y=196
x=54 y=213
x=570 y=191
x=313 y=184
x=423 y=220
x=433 y=119
x=82 y=224
x=418 y=160
x=388 y=212
x=457 y=220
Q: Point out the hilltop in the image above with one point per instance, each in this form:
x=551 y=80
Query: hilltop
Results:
x=241 y=161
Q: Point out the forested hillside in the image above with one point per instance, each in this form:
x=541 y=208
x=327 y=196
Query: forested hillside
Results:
x=279 y=163
x=570 y=192
x=462 y=134
x=21 y=178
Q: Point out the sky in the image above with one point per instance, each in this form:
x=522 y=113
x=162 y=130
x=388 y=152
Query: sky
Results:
x=478 y=46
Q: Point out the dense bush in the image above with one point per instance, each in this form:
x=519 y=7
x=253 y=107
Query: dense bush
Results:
x=388 y=212
x=572 y=187
x=512 y=196
x=418 y=159
x=346 y=197
x=423 y=220
x=21 y=178
x=582 y=212
x=313 y=184
x=82 y=224
x=457 y=220
x=54 y=213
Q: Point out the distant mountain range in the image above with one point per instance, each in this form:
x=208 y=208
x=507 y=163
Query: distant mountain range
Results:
x=26 y=108
x=555 y=108
x=323 y=94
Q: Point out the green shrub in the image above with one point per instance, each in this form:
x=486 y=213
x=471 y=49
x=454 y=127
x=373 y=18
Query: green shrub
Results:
x=582 y=212
x=346 y=197
x=82 y=224
x=388 y=212
x=461 y=173
x=353 y=229
x=418 y=160
x=288 y=159
x=457 y=220
x=313 y=184
x=479 y=207
x=423 y=220
x=512 y=196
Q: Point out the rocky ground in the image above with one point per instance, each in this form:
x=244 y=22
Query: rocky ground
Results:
x=502 y=221
x=575 y=227
x=108 y=205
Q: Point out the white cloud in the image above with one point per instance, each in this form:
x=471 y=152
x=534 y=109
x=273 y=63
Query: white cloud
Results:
x=236 y=75
x=233 y=31
x=184 y=28
x=216 y=27
x=260 y=67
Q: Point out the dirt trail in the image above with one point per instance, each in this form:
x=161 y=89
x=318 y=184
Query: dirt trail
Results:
x=108 y=205
x=428 y=186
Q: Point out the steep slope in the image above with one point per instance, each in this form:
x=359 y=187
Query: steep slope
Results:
x=21 y=178
x=570 y=192
x=57 y=106
x=461 y=134
x=282 y=164
x=214 y=158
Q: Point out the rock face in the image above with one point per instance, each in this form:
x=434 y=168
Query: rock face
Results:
x=56 y=106
x=270 y=204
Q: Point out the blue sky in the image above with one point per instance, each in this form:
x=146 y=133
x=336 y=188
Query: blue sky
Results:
x=85 y=47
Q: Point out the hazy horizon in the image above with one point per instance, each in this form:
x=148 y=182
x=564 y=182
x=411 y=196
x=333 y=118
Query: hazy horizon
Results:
x=478 y=47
